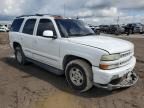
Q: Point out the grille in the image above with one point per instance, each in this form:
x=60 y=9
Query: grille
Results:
x=122 y=63
x=126 y=54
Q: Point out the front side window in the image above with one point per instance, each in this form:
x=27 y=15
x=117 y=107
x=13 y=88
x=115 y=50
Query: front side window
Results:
x=15 y=27
x=29 y=26
x=73 y=28
x=45 y=24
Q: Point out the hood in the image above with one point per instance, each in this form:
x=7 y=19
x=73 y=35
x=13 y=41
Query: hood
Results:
x=110 y=44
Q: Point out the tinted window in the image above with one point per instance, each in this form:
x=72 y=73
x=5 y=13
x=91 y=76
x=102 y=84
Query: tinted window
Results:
x=29 y=26
x=17 y=24
x=45 y=24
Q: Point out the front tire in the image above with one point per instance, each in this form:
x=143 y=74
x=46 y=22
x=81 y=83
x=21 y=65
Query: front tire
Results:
x=19 y=55
x=79 y=75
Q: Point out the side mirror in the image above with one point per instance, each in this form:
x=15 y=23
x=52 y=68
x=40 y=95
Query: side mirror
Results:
x=48 y=34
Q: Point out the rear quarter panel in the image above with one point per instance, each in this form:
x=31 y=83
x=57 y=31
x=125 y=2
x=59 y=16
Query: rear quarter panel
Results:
x=14 y=37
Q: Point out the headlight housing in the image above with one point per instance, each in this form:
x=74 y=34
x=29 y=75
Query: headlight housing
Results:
x=108 y=66
x=105 y=59
x=110 y=57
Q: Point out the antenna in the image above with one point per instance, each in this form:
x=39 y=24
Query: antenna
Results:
x=64 y=9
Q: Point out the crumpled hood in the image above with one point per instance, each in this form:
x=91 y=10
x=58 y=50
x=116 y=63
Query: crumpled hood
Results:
x=110 y=44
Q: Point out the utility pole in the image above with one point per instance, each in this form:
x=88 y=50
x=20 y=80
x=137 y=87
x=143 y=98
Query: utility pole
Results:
x=118 y=19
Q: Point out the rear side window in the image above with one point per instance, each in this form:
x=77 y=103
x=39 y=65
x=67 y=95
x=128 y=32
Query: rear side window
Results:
x=29 y=26
x=16 y=25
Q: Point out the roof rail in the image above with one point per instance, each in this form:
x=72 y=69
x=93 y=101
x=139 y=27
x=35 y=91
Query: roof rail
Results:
x=49 y=15
x=38 y=15
x=25 y=16
x=43 y=14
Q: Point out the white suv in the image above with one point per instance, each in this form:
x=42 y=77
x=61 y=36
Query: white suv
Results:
x=70 y=47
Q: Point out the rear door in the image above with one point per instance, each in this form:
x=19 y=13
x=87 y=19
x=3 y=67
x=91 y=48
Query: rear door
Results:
x=27 y=37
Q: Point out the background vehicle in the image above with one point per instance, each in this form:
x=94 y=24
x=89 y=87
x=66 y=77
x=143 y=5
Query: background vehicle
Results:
x=104 y=28
x=116 y=29
x=135 y=28
x=68 y=46
x=3 y=29
x=96 y=29
x=92 y=27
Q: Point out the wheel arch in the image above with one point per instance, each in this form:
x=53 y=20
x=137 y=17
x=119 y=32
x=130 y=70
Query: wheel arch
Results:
x=68 y=58
x=15 y=44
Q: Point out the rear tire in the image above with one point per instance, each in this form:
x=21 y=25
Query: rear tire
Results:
x=19 y=55
x=79 y=75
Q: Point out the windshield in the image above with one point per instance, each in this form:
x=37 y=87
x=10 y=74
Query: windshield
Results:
x=73 y=28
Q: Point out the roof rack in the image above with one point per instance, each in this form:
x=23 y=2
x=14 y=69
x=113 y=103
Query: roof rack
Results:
x=43 y=14
x=25 y=16
x=39 y=15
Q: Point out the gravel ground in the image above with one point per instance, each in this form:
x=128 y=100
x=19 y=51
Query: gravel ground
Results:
x=32 y=87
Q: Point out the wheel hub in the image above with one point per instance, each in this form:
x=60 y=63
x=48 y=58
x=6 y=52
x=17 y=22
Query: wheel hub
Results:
x=76 y=76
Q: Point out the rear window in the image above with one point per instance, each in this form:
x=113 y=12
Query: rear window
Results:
x=29 y=26
x=16 y=24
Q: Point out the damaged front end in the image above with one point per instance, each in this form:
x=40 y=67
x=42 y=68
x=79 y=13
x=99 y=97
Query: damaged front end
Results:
x=126 y=81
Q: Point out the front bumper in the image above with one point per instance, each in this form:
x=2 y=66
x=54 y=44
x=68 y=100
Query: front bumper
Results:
x=130 y=80
x=104 y=77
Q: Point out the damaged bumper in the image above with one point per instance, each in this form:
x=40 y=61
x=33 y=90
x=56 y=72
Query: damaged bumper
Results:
x=126 y=81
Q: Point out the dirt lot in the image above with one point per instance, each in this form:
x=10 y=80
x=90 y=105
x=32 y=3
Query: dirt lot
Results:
x=32 y=87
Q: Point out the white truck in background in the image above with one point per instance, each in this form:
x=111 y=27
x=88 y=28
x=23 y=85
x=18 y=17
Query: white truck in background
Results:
x=3 y=28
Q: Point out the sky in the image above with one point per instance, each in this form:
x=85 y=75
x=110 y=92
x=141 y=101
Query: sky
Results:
x=92 y=11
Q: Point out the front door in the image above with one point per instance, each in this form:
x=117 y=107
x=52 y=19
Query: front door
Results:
x=46 y=49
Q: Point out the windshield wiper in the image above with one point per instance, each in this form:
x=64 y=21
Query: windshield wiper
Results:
x=76 y=35
x=89 y=34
